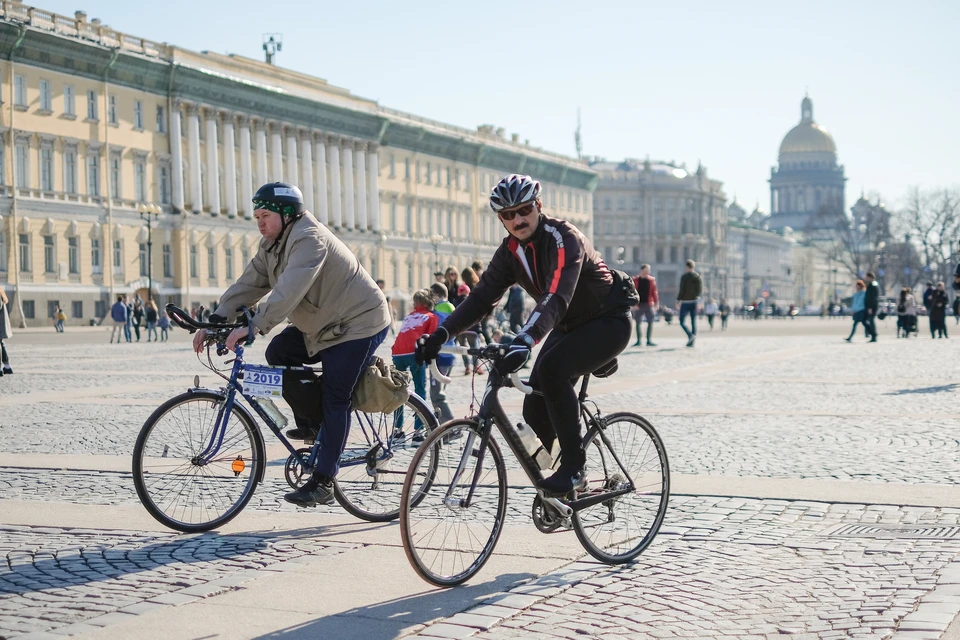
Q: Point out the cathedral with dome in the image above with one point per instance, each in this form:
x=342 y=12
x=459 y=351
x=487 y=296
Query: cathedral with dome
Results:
x=807 y=185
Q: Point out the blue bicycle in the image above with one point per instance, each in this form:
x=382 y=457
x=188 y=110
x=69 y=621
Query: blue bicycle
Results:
x=200 y=455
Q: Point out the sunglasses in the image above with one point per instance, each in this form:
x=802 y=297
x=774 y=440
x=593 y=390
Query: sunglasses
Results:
x=507 y=216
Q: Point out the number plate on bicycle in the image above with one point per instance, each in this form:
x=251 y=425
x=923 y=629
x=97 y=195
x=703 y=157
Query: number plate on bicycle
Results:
x=262 y=381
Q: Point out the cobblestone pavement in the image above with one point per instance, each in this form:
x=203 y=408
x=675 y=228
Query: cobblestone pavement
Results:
x=789 y=406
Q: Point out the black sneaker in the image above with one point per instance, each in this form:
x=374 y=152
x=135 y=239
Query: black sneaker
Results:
x=317 y=490
x=651 y=344
x=307 y=434
x=7 y=371
x=565 y=480
x=419 y=435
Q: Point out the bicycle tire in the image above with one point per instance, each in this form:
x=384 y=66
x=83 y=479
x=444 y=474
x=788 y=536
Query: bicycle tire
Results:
x=652 y=480
x=198 y=485
x=376 y=498
x=419 y=513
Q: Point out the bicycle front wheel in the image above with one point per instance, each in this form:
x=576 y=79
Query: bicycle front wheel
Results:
x=176 y=484
x=618 y=530
x=446 y=538
x=379 y=449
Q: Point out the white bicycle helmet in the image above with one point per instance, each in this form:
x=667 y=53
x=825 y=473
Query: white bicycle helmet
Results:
x=514 y=190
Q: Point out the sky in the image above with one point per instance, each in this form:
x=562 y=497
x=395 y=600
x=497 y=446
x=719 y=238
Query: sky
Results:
x=712 y=82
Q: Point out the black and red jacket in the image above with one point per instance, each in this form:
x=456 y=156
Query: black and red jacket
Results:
x=557 y=266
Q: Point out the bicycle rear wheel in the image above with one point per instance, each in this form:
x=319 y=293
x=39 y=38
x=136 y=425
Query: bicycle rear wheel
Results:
x=448 y=543
x=379 y=449
x=618 y=530
x=178 y=489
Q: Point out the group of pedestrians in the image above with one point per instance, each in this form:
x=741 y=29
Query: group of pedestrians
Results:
x=128 y=318
x=866 y=309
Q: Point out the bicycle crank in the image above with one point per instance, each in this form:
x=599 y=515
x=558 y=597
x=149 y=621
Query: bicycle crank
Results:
x=549 y=514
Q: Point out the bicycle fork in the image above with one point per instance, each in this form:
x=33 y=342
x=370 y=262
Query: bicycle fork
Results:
x=451 y=501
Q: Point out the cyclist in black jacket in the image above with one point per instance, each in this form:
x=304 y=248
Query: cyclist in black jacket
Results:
x=558 y=266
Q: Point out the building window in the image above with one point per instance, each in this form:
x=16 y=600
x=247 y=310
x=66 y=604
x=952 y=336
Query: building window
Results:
x=99 y=308
x=393 y=216
x=161 y=119
x=23 y=178
x=164 y=184
x=137 y=113
x=673 y=255
x=406 y=168
x=29 y=309
x=244 y=256
x=46 y=96
x=167 y=262
x=428 y=173
x=95 y=255
x=659 y=254
x=193 y=261
x=92 y=105
x=70 y=171
x=140 y=181
x=20 y=91
x=114 y=177
x=113 y=110
x=73 y=255
x=117 y=254
x=142 y=258
x=228 y=256
x=93 y=174
x=636 y=255
x=211 y=262
x=76 y=309
x=49 y=254
x=69 y=101
x=409 y=219
x=46 y=168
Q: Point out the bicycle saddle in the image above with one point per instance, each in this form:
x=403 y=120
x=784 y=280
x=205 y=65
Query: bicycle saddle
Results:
x=607 y=370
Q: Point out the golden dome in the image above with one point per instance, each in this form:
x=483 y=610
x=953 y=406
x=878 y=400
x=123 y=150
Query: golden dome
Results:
x=808 y=136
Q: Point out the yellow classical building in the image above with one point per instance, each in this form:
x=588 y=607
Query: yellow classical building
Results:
x=98 y=125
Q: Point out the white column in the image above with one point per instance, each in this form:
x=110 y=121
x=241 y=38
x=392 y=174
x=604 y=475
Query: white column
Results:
x=176 y=151
x=360 y=167
x=320 y=153
x=262 y=153
x=246 y=186
x=276 y=155
x=373 y=187
x=306 y=180
x=213 y=164
x=333 y=159
x=229 y=165
x=193 y=142
x=349 y=210
x=293 y=166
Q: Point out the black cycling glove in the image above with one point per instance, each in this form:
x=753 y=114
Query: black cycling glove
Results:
x=216 y=319
x=428 y=346
x=516 y=356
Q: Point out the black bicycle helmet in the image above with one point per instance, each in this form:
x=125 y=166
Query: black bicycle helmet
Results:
x=514 y=190
x=280 y=197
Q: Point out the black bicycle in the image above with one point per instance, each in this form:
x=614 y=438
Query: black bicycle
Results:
x=200 y=455
x=451 y=525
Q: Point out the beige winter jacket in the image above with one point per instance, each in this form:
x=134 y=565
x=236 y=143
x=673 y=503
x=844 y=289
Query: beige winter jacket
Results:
x=316 y=282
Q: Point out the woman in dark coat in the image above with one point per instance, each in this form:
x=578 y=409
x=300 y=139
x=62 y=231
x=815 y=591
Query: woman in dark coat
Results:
x=939 y=303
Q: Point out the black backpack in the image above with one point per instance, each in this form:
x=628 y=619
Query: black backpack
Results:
x=901 y=308
x=623 y=293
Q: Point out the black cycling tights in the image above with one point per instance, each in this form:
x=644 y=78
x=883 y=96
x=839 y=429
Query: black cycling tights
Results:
x=562 y=360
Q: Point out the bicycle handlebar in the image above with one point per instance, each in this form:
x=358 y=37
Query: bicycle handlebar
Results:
x=492 y=352
x=215 y=330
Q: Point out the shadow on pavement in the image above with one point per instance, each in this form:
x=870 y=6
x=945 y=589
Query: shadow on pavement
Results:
x=924 y=390
x=389 y=618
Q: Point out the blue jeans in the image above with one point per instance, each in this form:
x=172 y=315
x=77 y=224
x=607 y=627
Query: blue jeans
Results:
x=689 y=309
x=419 y=373
x=342 y=365
x=127 y=331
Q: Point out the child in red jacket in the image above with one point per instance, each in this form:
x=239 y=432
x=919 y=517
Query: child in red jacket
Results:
x=418 y=323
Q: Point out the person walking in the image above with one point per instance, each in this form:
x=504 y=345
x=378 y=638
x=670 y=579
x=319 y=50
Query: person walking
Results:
x=59 y=318
x=164 y=323
x=152 y=314
x=128 y=326
x=118 y=313
x=137 y=316
x=422 y=321
x=871 y=306
x=906 y=313
x=710 y=310
x=445 y=361
x=6 y=332
x=649 y=301
x=939 y=301
x=858 y=306
x=724 y=313
x=691 y=286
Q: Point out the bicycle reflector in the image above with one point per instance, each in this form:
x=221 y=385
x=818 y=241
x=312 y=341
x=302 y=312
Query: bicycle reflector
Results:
x=238 y=465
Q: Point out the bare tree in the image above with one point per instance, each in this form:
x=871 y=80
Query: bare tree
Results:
x=932 y=221
x=857 y=244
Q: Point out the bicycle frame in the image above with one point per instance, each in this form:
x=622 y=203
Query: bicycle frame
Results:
x=491 y=411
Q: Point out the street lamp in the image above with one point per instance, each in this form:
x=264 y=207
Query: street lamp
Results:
x=149 y=212
x=436 y=239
